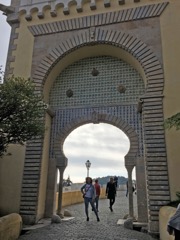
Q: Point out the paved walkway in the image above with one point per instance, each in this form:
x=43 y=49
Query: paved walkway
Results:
x=79 y=229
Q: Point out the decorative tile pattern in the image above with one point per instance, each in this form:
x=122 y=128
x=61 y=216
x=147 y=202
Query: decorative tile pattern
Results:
x=131 y=44
x=98 y=90
x=97 y=93
x=126 y=113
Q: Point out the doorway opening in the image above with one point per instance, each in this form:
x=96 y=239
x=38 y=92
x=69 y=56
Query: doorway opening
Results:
x=103 y=145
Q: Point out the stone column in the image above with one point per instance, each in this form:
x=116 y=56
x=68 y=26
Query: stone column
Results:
x=141 y=190
x=61 y=165
x=61 y=171
x=50 y=207
x=130 y=192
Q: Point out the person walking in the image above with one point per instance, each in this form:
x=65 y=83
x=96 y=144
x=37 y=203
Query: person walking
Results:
x=89 y=194
x=173 y=226
x=111 y=192
x=98 y=192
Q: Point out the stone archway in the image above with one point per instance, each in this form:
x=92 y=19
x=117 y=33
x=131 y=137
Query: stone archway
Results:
x=131 y=158
x=96 y=117
x=152 y=108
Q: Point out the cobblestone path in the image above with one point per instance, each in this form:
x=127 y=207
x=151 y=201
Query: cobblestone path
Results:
x=79 y=229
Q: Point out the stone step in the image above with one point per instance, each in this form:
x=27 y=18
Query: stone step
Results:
x=140 y=224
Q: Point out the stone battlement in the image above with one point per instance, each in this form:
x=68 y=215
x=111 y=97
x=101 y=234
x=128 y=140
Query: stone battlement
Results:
x=30 y=6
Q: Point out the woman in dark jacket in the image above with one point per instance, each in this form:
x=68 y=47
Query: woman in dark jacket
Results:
x=111 y=192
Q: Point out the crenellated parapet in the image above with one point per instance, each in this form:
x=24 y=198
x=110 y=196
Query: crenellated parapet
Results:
x=28 y=6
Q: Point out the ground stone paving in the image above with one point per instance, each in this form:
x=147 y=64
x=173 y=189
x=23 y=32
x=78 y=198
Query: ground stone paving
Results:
x=79 y=229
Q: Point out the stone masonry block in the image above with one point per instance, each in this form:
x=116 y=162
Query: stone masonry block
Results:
x=159 y=193
x=40 y=15
x=53 y=13
x=121 y=2
x=66 y=11
x=10 y=226
x=93 y=6
x=79 y=9
x=107 y=3
x=28 y=17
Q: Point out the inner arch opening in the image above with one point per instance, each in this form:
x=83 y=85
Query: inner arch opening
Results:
x=103 y=144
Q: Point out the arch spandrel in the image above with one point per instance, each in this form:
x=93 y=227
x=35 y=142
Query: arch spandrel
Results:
x=97 y=118
x=151 y=68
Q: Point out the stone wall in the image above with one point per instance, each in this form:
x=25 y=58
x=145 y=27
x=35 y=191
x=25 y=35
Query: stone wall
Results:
x=73 y=197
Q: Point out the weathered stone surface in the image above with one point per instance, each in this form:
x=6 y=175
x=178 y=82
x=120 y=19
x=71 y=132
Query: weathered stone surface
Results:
x=56 y=219
x=67 y=213
x=10 y=226
x=128 y=223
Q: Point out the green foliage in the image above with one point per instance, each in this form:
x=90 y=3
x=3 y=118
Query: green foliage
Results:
x=21 y=112
x=173 y=121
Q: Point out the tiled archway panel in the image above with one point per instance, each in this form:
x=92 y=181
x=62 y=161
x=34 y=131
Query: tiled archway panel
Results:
x=94 y=117
x=125 y=117
x=123 y=40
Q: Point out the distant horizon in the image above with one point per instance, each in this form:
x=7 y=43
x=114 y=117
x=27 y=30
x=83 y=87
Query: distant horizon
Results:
x=97 y=178
x=104 y=145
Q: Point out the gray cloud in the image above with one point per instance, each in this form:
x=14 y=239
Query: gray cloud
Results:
x=103 y=144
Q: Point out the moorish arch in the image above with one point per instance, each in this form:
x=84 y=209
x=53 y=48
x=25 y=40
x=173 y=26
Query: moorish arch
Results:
x=152 y=107
x=96 y=118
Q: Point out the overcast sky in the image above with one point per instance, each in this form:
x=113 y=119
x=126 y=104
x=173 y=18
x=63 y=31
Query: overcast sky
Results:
x=5 y=33
x=104 y=145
